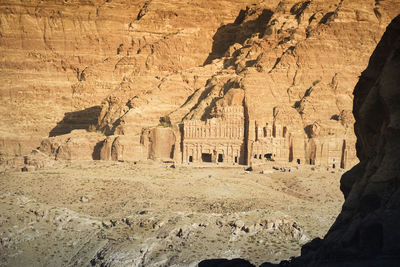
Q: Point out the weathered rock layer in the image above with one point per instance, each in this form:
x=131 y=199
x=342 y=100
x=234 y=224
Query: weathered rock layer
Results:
x=279 y=67
x=60 y=59
x=118 y=66
x=366 y=230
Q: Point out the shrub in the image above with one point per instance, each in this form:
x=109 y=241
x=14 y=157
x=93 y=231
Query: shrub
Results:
x=165 y=121
x=92 y=128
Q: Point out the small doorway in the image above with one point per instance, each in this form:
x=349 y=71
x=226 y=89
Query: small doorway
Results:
x=333 y=165
x=268 y=156
x=206 y=157
x=236 y=159
x=220 y=158
x=298 y=161
x=190 y=158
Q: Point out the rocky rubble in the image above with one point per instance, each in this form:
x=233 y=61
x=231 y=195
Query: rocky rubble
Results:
x=33 y=161
x=152 y=213
x=176 y=233
x=145 y=238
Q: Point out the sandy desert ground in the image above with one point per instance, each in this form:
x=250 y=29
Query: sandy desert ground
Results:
x=126 y=214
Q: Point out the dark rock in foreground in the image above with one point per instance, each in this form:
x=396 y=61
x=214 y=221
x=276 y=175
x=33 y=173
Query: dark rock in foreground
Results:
x=225 y=263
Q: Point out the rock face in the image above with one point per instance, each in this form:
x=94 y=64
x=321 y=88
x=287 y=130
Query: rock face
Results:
x=273 y=88
x=366 y=231
x=121 y=148
x=367 y=226
x=162 y=143
x=287 y=67
x=78 y=145
x=60 y=59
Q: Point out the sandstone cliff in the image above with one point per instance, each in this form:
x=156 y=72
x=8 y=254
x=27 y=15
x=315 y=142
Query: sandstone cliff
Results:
x=366 y=232
x=291 y=65
x=121 y=65
x=61 y=59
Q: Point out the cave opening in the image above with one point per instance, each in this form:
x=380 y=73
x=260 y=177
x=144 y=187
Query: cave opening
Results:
x=220 y=158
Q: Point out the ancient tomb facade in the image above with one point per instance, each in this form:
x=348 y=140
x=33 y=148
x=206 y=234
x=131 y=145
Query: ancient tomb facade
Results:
x=230 y=139
x=334 y=152
x=218 y=140
x=271 y=143
x=223 y=140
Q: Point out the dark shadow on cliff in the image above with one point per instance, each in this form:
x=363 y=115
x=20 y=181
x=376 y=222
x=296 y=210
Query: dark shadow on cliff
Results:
x=238 y=32
x=76 y=120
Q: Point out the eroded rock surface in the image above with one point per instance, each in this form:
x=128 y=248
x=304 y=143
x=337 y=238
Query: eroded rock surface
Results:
x=289 y=82
x=77 y=145
x=366 y=229
x=60 y=59
x=118 y=66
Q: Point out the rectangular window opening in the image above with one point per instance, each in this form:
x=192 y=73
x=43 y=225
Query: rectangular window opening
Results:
x=268 y=156
x=206 y=157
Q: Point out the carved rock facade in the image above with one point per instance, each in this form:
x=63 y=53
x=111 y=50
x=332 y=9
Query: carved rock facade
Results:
x=226 y=140
x=219 y=140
